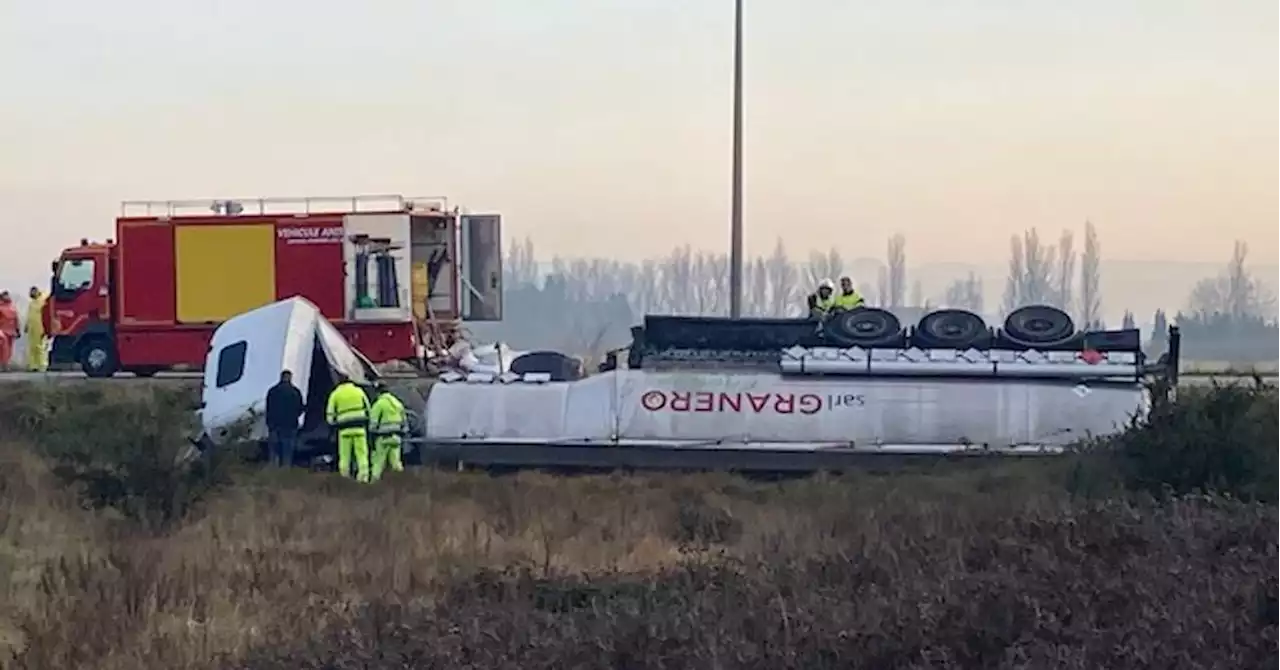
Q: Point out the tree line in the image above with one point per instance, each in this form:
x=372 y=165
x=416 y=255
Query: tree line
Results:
x=581 y=303
x=1229 y=316
x=589 y=304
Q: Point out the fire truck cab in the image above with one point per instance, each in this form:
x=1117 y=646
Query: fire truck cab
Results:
x=396 y=275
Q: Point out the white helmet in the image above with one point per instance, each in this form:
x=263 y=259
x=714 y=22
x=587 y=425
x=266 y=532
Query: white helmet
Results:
x=827 y=283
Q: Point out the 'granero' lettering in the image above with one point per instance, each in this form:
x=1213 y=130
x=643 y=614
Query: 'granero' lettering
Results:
x=707 y=402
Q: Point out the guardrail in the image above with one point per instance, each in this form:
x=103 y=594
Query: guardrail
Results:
x=1264 y=374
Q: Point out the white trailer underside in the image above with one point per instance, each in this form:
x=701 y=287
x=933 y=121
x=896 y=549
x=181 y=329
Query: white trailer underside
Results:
x=768 y=412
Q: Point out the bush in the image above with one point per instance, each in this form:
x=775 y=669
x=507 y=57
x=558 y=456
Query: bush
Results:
x=108 y=419
x=1221 y=438
x=121 y=446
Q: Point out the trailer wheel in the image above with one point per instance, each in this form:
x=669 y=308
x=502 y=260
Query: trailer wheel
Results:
x=1038 y=325
x=98 y=358
x=863 y=327
x=954 y=328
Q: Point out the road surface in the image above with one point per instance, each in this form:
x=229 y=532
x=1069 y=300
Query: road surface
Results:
x=80 y=375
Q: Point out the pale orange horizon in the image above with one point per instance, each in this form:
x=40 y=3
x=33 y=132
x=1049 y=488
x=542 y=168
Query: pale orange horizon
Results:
x=601 y=128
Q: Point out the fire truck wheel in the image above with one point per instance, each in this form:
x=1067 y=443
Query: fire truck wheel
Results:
x=98 y=358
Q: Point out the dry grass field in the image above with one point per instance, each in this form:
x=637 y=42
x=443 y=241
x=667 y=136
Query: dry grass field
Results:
x=1155 y=550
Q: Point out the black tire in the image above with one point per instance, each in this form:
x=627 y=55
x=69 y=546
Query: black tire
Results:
x=863 y=327
x=950 y=328
x=98 y=358
x=562 y=368
x=1038 y=326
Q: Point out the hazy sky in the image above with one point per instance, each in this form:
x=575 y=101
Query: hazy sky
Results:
x=602 y=126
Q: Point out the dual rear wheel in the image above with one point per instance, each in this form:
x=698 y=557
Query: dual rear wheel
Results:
x=1031 y=326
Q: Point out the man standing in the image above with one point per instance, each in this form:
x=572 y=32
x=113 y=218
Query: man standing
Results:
x=348 y=413
x=387 y=424
x=9 y=329
x=37 y=355
x=849 y=297
x=284 y=406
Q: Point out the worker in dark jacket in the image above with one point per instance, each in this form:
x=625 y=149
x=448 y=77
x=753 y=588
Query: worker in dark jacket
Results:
x=284 y=407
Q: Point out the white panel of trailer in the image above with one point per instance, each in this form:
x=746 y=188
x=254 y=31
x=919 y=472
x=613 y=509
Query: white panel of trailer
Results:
x=698 y=408
x=770 y=408
x=573 y=411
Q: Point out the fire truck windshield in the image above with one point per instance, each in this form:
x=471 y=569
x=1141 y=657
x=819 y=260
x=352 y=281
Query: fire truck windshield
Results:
x=74 y=275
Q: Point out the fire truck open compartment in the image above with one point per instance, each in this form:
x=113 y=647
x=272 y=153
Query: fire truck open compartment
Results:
x=375 y=249
x=456 y=263
x=432 y=257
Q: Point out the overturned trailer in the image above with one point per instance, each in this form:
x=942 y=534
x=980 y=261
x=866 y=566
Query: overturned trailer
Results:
x=796 y=394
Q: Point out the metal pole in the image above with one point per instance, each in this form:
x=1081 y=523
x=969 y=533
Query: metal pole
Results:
x=735 y=243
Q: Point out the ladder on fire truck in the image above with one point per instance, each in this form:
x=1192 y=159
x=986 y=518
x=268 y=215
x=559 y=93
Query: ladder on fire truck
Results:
x=296 y=206
x=435 y=343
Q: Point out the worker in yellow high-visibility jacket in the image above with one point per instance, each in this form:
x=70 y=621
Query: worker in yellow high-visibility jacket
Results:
x=822 y=301
x=848 y=298
x=387 y=426
x=37 y=354
x=348 y=413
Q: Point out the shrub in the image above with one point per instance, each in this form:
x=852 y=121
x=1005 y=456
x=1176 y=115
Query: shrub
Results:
x=123 y=447
x=1220 y=438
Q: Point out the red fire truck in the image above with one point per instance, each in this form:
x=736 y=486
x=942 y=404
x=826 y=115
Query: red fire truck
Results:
x=395 y=275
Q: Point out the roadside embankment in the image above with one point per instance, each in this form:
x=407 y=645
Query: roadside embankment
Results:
x=1157 y=548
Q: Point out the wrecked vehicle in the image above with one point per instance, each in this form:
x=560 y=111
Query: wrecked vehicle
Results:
x=246 y=356
x=792 y=395
x=738 y=394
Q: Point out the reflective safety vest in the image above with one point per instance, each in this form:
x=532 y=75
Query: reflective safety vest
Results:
x=387 y=416
x=824 y=305
x=348 y=407
x=849 y=300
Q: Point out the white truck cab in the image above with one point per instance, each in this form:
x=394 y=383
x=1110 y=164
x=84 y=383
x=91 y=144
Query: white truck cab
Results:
x=246 y=356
